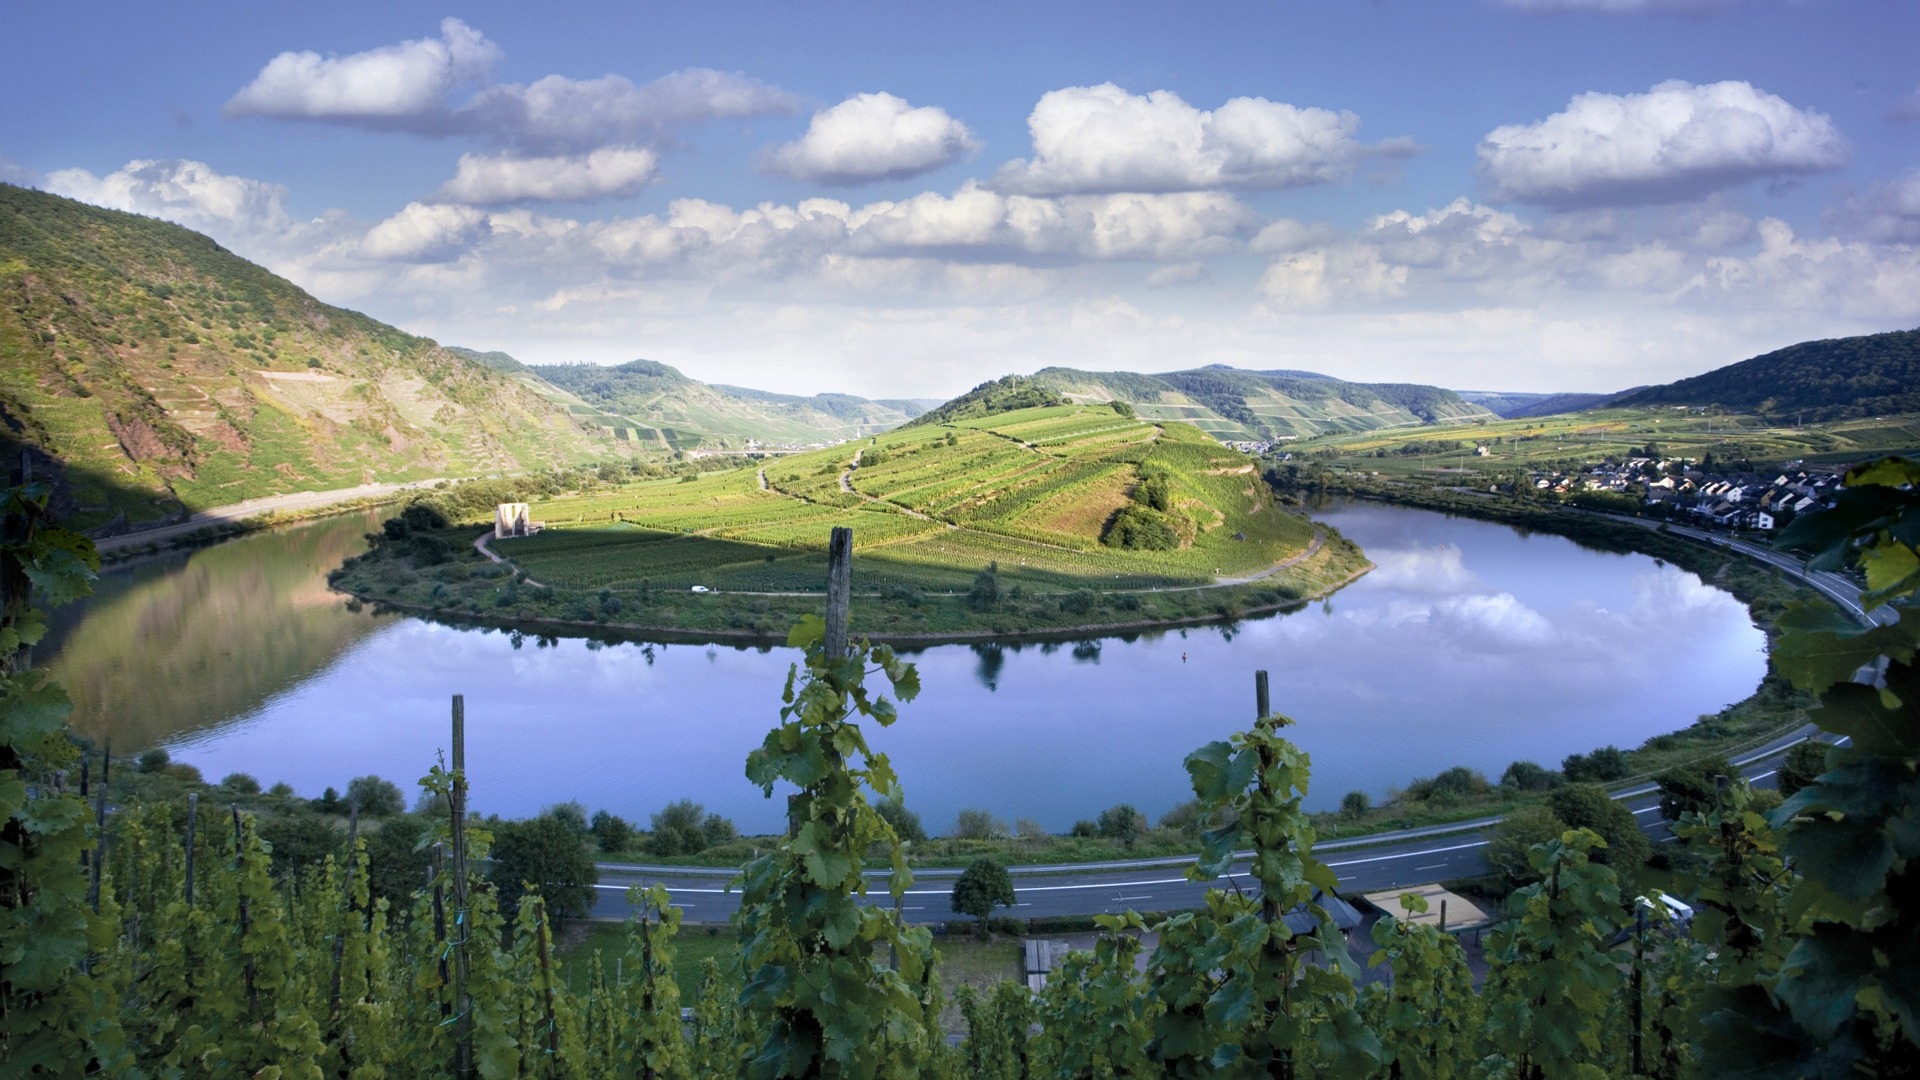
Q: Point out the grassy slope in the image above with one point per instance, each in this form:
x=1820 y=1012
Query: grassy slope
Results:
x=930 y=508
x=161 y=371
x=659 y=404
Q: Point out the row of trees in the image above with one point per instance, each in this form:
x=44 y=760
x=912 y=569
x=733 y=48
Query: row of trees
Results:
x=188 y=958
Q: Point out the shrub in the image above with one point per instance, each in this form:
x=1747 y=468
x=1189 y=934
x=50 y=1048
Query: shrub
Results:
x=610 y=831
x=1122 y=823
x=1586 y=806
x=153 y=761
x=906 y=823
x=242 y=783
x=1690 y=788
x=1527 y=776
x=1802 y=766
x=682 y=828
x=571 y=813
x=976 y=825
x=1355 y=804
x=375 y=797
x=1603 y=765
x=1084 y=828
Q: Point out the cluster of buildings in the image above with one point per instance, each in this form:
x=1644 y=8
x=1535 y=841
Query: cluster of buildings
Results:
x=1725 y=499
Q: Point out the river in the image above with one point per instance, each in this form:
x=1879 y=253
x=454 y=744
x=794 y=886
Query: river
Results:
x=1470 y=644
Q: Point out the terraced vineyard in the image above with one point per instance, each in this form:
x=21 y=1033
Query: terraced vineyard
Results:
x=930 y=507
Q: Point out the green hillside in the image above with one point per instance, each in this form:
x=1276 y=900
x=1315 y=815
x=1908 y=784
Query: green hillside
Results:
x=1230 y=403
x=656 y=406
x=1072 y=504
x=1005 y=394
x=1836 y=379
x=156 y=372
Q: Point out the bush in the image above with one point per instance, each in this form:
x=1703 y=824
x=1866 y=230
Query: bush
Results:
x=545 y=854
x=685 y=828
x=1603 y=765
x=153 y=761
x=1184 y=819
x=1691 y=788
x=375 y=797
x=1355 y=804
x=1586 y=806
x=1084 y=829
x=570 y=812
x=983 y=886
x=185 y=773
x=242 y=783
x=1141 y=529
x=1508 y=845
x=1122 y=823
x=1802 y=766
x=1527 y=776
x=906 y=823
x=976 y=825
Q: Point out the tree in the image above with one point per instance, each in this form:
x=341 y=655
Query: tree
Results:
x=611 y=831
x=1527 y=776
x=1355 y=804
x=1586 y=806
x=1690 y=788
x=241 y=783
x=906 y=823
x=543 y=855
x=986 y=594
x=679 y=829
x=1516 y=834
x=1605 y=764
x=375 y=797
x=1802 y=766
x=397 y=858
x=983 y=886
x=976 y=825
x=1122 y=823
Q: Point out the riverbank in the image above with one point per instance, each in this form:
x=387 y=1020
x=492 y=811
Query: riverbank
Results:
x=494 y=594
x=252 y=515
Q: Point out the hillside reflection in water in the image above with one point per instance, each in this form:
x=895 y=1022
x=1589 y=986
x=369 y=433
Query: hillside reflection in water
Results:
x=1469 y=645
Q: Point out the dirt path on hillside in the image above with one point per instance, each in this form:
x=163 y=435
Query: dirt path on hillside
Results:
x=299 y=500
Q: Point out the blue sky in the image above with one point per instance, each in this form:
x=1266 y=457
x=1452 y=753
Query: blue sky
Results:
x=899 y=200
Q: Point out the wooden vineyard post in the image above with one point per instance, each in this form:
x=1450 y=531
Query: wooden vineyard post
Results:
x=100 y=826
x=346 y=902
x=839 y=590
x=193 y=819
x=246 y=913
x=1263 y=707
x=462 y=918
x=839 y=605
x=440 y=922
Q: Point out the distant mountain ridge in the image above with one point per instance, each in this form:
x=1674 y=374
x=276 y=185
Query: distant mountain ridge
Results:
x=1834 y=379
x=653 y=405
x=1516 y=406
x=1238 y=404
x=154 y=371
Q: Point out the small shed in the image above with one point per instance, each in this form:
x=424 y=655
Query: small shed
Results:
x=1448 y=911
x=513 y=519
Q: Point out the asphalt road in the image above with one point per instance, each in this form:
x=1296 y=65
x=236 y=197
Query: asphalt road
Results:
x=1367 y=864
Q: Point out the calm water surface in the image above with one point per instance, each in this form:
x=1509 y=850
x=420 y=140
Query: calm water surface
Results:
x=1471 y=644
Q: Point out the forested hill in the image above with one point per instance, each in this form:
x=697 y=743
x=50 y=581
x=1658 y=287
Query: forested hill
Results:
x=1231 y=403
x=154 y=371
x=1005 y=394
x=1836 y=379
x=654 y=405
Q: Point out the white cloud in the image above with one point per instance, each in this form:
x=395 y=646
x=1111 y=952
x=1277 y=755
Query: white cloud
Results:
x=11 y=173
x=1677 y=141
x=392 y=86
x=1888 y=212
x=558 y=112
x=408 y=87
x=872 y=137
x=188 y=193
x=1182 y=273
x=609 y=171
x=425 y=232
x=1089 y=139
x=977 y=222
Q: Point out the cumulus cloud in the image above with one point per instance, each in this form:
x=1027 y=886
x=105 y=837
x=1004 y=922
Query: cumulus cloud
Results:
x=1093 y=139
x=975 y=222
x=1889 y=211
x=189 y=193
x=872 y=137
x=410 y=86
x=557 y=112
x=610 y=171
x=1677 y=141
x=426 y=232
x=395 y=86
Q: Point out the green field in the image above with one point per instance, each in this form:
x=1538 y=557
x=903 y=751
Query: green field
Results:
x=1577 y=440
x=1029 y=490
x=1035 y=494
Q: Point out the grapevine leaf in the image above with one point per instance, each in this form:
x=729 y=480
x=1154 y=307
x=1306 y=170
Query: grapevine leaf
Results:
x=1825 y=969
x=811 y=630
